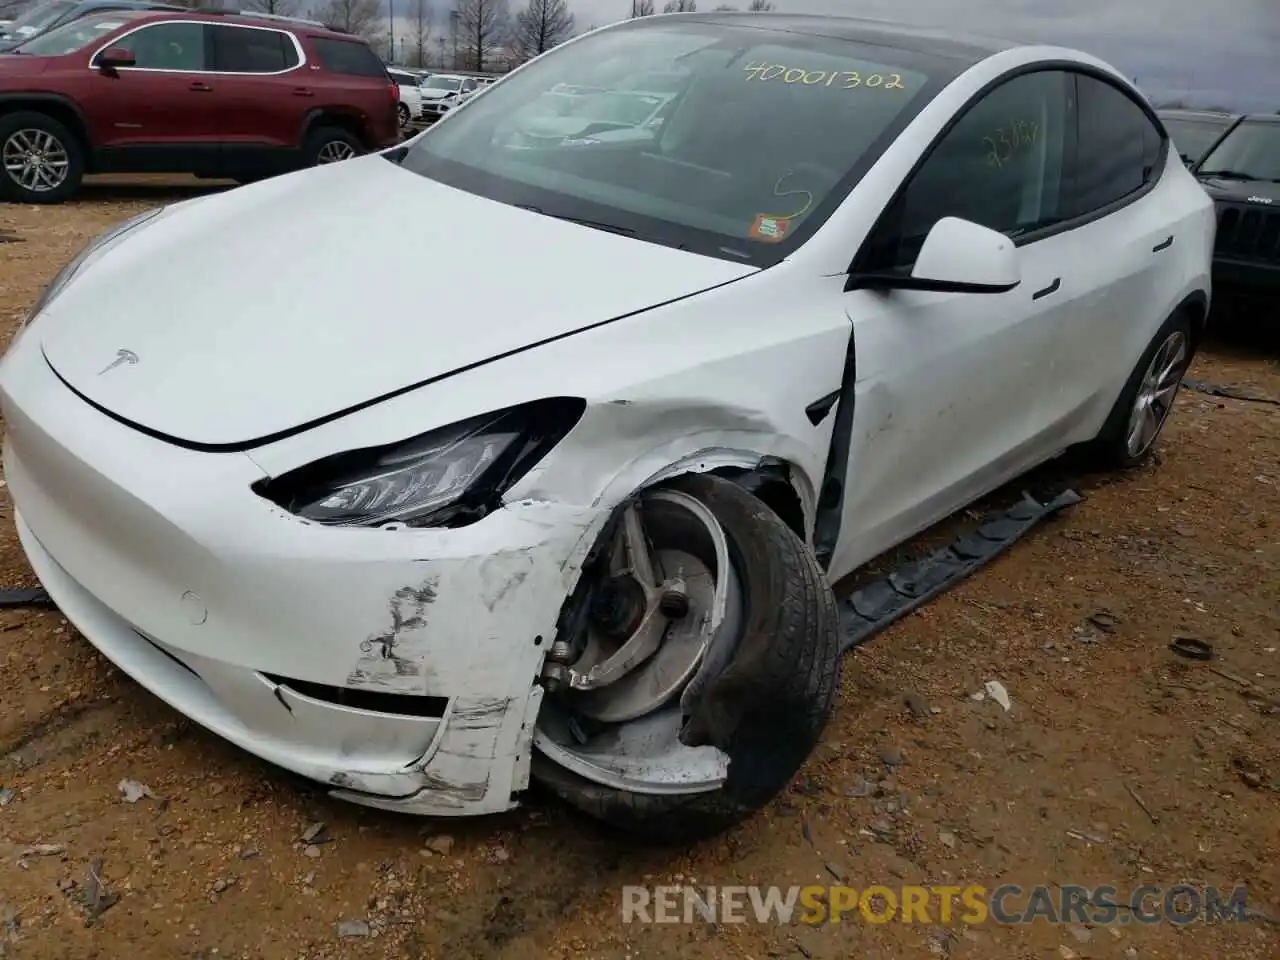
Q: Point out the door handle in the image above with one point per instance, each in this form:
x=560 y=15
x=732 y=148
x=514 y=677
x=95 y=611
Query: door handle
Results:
x=1164 y=244
x=199 y=87
x=1051 y=288
x=303 y=92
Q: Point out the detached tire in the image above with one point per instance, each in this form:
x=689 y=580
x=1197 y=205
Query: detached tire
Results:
x=783 y=678
x=1111 y=449
x=328 y=144
x=28 y=132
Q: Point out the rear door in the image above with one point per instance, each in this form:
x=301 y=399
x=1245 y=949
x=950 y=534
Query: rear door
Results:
x=1129 y=212
x=262 y=92
x=159 y=114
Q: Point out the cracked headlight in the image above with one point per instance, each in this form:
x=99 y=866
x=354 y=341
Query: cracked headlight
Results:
x=445 y=478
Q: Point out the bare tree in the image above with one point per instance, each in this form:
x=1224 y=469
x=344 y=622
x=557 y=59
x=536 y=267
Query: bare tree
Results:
x=361 y=17
x=480 y=26
x=540 y=26
x=641 y=8
x=760 y=6
x=420 y=32
x=279 y=8
x=681 y=6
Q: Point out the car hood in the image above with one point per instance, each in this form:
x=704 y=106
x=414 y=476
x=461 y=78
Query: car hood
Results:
x=252 y=314
x=1243 y=191
x=20 y=63
x=429 y=94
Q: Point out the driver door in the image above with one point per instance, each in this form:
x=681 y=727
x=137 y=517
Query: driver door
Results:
x=163 y=113
x=955 y=393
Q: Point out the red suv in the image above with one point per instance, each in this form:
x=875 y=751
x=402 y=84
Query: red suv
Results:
x=237 y=96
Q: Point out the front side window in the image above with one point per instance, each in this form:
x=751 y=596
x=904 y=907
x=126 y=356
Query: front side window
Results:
x=251 y=50
x=1249 y=152
x=1000 y=165
x=168 y=46
x=77 y=34
x=1119 y=147
x=766 y=133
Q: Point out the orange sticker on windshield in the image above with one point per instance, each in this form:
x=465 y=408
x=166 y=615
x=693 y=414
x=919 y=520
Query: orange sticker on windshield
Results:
x=770 y=229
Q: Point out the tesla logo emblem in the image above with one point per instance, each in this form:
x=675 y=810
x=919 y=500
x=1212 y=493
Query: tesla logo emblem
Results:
x=122 y=357
x=1259 y=199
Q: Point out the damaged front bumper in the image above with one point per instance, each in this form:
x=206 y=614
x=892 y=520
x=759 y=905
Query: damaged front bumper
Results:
x=399 y=668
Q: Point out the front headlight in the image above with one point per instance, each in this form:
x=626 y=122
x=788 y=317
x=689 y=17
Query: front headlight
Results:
x=92 y=249
x=446 y=478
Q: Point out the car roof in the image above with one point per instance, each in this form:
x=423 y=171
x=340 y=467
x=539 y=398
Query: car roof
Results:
x=249 y=19
x=970 y=48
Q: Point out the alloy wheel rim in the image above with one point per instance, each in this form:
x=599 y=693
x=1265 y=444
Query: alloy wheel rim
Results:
x=1156 y=394
x=335 y=151
x=35 y=160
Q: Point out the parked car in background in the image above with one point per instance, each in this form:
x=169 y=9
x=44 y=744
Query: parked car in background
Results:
x=50 y=14
x=579 y=521
x=1242 y=175
x=1194 y=132
x=216 y=95
x=441 y=92
x=410 y=106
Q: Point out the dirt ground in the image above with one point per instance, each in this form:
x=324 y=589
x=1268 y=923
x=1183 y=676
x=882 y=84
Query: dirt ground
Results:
x=940 y=789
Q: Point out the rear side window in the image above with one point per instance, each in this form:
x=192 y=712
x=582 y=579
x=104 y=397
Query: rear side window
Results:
x=348 y=56
x=250 y=50
x=1118 y=146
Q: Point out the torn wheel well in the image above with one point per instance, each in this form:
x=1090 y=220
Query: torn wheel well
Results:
x=1196 y=309
x=770 y=483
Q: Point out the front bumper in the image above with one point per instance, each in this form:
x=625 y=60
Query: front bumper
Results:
x=261 y=627
x=1246 y=277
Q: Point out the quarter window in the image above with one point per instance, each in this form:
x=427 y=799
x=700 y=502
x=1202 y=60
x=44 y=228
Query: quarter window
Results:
x=248 y=50
x=1119 y=147
x=350 y=57
x=168 y=46
x=1000 y=166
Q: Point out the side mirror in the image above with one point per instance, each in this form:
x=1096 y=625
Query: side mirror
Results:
x=958 y=256
x=113 y=57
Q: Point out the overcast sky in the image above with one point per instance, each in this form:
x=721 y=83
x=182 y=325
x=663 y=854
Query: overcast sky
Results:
x=1219 y=52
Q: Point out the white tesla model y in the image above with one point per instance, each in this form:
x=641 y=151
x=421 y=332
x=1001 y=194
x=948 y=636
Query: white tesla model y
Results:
x=574 y=515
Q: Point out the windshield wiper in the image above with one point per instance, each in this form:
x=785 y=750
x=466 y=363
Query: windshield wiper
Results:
x=1227 y=174
x=609 y=227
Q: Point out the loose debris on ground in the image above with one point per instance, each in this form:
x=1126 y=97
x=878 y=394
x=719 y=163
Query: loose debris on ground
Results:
x=1096 y=753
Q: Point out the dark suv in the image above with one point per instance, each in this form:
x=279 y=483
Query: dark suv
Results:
x=1242 y=174
x=46 y=16
x=214 y=95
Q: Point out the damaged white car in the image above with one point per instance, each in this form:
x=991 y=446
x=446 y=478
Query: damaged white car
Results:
x=573 y=517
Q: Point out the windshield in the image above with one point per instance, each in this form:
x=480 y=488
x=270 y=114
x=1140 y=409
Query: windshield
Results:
x=763 y=136
x=443 y=83
x=77 y=34
x=1249 y=152
x=1194 y=137
x=39 y=17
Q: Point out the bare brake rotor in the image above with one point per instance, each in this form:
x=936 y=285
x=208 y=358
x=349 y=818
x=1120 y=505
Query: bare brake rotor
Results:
x=653 y=619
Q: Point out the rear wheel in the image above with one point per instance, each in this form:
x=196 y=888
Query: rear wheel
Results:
x=697 y=669
x=330 y=145
x=41 y=161
x=1129 y=436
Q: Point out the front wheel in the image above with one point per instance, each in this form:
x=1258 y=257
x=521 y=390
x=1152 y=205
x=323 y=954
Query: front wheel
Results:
x=1129 y=435
x=755 y=692
x=41 y=161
